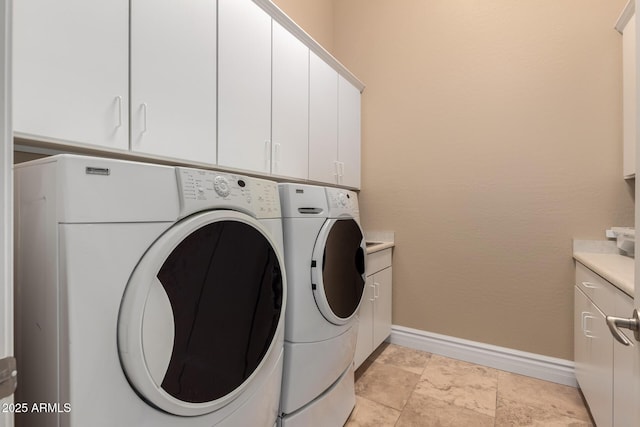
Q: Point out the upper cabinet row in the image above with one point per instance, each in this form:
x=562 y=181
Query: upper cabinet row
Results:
x=218 y=83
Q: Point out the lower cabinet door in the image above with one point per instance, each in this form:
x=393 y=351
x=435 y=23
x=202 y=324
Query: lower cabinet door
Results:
x=364 y=345
x=594 y=359
x=381 y=306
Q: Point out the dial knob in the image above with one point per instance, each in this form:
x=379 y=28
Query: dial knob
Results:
x=342 y=200
x=221 y=186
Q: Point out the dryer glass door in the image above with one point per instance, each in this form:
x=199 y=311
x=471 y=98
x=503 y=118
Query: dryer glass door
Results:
x=338 y=269
x=200 y=312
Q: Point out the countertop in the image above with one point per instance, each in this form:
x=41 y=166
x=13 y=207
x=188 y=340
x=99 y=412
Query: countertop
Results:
x=379 y=240
x=378 y=246
x=615 y=268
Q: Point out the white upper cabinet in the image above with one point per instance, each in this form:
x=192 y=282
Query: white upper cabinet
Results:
x=70 y=71
x=629 y=97
x=334 y=126
x=626 y=25
x=244 y=86
x=348 y=134
x=323 y=121
x=173 y=79
x=290 y=105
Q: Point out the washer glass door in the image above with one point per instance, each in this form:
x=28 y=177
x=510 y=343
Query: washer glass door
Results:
x=338 y=269
x=201 y=311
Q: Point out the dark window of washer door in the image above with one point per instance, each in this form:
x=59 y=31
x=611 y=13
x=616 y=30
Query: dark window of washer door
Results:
x=225 y=287
x=343 y=267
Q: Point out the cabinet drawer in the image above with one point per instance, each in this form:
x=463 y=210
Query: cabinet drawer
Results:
x=596 y=288
x=378 y=261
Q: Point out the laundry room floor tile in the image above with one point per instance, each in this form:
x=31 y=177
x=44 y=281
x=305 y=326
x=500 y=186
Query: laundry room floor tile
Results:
x=387 y=385
x=555 y=400
x=402 y=387
x=404 y=358
x=368 y=413
x=460 y=383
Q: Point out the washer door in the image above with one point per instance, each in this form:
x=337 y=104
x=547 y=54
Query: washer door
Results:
x=338 y=269
x=201 y=311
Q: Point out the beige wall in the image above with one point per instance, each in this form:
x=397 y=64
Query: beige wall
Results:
x=491 y=138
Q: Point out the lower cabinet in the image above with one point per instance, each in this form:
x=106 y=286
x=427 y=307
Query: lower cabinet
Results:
x=593 y=352
x=375 y=311
x=605 y=369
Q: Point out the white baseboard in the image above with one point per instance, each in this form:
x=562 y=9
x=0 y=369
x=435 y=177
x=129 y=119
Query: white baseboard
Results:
x=546 y=368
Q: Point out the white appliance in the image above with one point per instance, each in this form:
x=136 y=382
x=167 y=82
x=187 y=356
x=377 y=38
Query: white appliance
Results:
x=147 y=295
x=325 y=260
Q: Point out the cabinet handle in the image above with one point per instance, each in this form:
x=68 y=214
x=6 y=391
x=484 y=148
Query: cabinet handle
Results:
x=374 y=293
x=376 y=290
x=341 y=172
x=119 y=101
x=585 y=316
x=276 y=154
x=267 y=155
x=144 y=107
x=590 y=285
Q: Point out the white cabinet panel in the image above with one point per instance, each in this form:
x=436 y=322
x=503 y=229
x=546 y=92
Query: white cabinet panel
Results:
x=629 y=97
x=382 y=306
x=244 y=86
x=594 y=359
x=348 y=134
x=375 y=309
x=173 y=79
x=364 y=344
x=290 y=105
x=626 y=370
x=70 y=70
x=323 y=121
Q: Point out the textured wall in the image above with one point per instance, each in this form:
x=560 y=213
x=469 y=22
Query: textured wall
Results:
x=491 y=138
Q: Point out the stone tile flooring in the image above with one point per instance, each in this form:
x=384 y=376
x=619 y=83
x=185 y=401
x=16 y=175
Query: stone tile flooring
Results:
x=398 y=386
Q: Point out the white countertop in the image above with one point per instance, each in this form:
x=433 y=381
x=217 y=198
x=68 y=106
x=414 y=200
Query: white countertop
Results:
x=615 y=268
x=378 y=246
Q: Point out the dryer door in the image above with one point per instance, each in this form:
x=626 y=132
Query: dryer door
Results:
x=201 y=312
x=338 y=269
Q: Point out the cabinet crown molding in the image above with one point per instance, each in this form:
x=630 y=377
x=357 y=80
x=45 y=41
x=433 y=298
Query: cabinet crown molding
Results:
x=283 y=19
x=625 y=16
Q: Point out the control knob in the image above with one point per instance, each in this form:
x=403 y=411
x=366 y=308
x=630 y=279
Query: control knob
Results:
x=221 y=186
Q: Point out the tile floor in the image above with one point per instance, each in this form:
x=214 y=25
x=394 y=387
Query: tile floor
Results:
x=398 y=386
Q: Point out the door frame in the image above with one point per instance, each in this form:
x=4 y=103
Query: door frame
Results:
x=6 y=195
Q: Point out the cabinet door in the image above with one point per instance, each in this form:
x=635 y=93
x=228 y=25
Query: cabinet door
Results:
x=629 y=97
x=323 y=121
x=173 y=79
x=382 y=306
x=594 y=359
x=244 y=86
x=348 y=133
x=71 y=71
x=290 y=105
x=625 y=370
x=364 y=344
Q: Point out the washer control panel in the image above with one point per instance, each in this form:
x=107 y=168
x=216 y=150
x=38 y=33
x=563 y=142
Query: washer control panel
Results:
x=202 y=189
x=342 y=201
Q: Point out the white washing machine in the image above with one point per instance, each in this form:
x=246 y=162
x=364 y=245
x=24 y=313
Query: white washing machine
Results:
x=325 y=260
x=147 y=295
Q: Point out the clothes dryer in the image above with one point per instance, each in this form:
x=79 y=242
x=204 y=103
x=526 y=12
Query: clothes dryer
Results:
x=325 y=260
x=147 y=295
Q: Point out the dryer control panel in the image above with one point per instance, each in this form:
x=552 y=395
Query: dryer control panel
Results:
x=202 y=189
x=342 y=201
